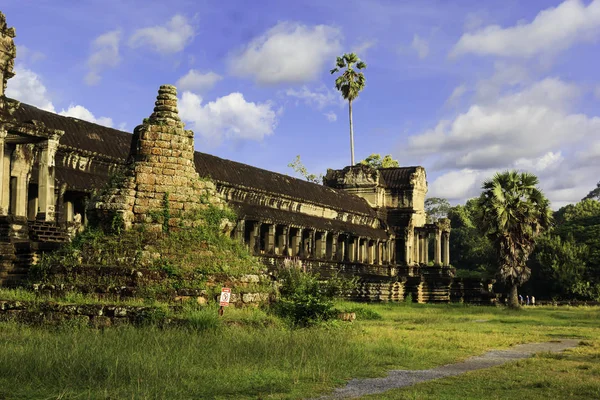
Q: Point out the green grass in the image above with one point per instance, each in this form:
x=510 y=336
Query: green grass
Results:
x=250 y=354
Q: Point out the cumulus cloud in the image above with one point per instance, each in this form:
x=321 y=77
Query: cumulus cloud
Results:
x=228 y=117
x=421 y=46
x=552 y=30
x=105 y=53
x=319 y=98
x=168 y=39
x=196 y=81
x=534 y=128
x=27 y=87
x=287 y=53
x=331 y=116
x=77 y=111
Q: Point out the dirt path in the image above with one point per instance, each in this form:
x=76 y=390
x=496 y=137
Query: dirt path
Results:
x=401 y=378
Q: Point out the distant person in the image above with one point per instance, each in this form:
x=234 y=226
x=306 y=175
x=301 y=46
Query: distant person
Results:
x=532 y=300
x=527 y=299
x=521 y=299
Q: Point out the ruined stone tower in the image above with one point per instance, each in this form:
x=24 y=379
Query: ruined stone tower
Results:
x=160 y=173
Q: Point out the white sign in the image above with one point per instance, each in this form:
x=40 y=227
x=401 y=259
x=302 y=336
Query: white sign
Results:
x=225 y=296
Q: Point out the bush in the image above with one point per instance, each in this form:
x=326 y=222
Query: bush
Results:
x=303 y=300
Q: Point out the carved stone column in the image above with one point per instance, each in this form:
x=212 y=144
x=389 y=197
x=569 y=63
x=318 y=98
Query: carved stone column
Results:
x=270 y=239
x=254 y=240
x=426 y=248
x=322 y=246
x=46 y=198
x=4 y=187
x=240 y=229
x=446 y=249
x=437 y=254
x=296 y=245
x=417 y=249
x=334 y=242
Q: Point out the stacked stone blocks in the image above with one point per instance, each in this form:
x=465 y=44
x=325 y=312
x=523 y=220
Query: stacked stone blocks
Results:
x=161 y=172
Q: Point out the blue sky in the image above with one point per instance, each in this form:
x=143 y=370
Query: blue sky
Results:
x=463 y=88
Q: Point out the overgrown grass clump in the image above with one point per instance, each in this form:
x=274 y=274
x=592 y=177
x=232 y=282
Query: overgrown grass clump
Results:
x=200 y=247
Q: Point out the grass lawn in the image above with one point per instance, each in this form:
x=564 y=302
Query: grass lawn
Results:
x=249 y=354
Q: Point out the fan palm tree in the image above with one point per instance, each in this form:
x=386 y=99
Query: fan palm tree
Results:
x=513 y=213
x=350 y=83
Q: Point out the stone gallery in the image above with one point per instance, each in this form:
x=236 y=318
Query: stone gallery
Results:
x=362 y=221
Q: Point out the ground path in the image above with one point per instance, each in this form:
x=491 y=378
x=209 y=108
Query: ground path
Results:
x=401 y=378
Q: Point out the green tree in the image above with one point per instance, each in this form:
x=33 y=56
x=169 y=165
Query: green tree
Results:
x=594 y=193
x=558 y=267
x=514 y=212
x=375 y=161
x=350 y=83
x=436 y=208
x=469 y=249
x=299 y=168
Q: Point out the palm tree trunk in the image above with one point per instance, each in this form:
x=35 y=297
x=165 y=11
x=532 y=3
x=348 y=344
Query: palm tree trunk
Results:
x=351 y=134
x=513 y=299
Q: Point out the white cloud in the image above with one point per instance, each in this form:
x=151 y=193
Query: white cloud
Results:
x=28 y=56
x=473 y=20
x=456 y=94
x=287 y=53
x=228 y=117
x=27 y=87
x=421 y=46
x=168 y=39
x=361 y=48
x=105 y=53
x=319 y=98
x=331 y=116
x=195 y=81
x=552 y=30
x=533 y=128
x=77 y=111
x=456 y=185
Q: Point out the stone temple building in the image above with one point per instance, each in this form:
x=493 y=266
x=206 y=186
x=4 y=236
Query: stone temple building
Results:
x=362 y=221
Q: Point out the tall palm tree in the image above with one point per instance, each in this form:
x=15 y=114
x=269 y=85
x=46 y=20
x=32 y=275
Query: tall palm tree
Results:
x=350 y=83
x=513 y=213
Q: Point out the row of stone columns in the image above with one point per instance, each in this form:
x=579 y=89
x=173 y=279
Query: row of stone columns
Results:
x=265 y=238
x=441 y=251
x=15 y=171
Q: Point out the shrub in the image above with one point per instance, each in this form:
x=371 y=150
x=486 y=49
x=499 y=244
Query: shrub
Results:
x=303 y=299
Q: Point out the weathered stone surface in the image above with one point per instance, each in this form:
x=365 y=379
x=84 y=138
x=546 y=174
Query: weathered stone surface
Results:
x=161 y=165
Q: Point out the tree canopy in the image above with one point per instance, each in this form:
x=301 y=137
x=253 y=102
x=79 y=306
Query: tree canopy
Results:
x=514 y=212
x=436 y=208
x=375 y=161
x=299 y=168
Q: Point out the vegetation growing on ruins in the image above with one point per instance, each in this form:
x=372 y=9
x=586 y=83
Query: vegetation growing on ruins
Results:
x=375 y=161
x=350 y=83
x=247 y=354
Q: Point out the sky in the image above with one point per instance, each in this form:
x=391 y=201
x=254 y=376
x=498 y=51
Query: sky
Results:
x=463 y=88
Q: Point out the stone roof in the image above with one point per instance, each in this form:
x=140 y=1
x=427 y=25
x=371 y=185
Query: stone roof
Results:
x=397 y=178
x=243 y=175
x=285 y=217
x=113 y=143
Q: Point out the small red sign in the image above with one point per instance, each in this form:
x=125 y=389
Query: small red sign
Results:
x=225 y=296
